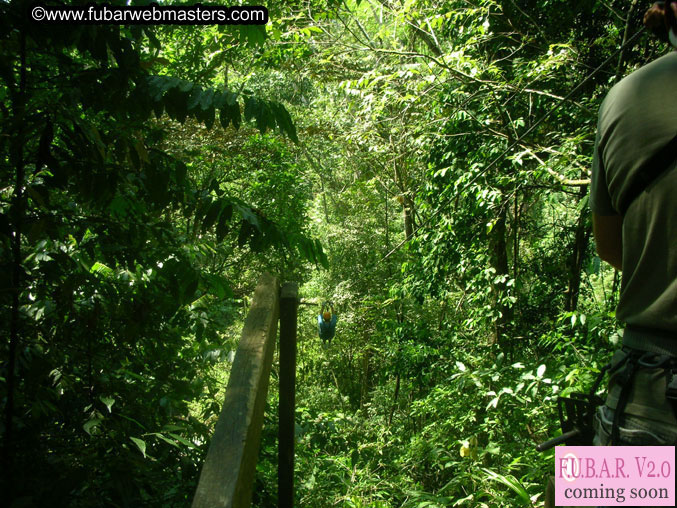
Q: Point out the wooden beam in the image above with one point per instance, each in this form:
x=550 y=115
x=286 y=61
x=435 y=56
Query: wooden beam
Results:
x=288 y=323
x=228 y=472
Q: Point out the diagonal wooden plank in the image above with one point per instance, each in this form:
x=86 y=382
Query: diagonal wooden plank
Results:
x=228 y=471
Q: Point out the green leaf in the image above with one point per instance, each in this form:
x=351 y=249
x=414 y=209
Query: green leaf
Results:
x=208 y=117
x=244 y=234
x=133 y=421
x=158 y=109
x=165 y=439
x=224 y=219
x=540 y=371
x=284 y=121
x=253 y=35
x=180 y=173
x=249 y=216
x=230 y=113
x=176 y=105
x=211 y=215
x=195 y=98
x=141 y=444
x=512 y=483
x=173 y=427
x=235 y=115
x=207 y=99
x=251 y=108
x=91 y=425
x=582 y=203
x=190 y=290
x=108 y=401
x=231 y=99
x=224 y=118
x=182 y=440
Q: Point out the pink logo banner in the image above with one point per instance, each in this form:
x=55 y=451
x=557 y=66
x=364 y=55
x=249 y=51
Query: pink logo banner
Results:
x=615 y=476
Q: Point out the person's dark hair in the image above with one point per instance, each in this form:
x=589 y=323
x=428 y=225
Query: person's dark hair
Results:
x=660 y=18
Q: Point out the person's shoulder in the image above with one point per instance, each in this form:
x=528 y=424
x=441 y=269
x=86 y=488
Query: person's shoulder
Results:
x=650 y=79
x=662 y=67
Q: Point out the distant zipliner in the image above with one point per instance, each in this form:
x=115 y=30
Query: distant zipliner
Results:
x=326 y=322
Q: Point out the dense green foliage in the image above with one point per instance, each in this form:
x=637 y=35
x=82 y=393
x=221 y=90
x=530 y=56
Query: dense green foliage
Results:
x=414 y=161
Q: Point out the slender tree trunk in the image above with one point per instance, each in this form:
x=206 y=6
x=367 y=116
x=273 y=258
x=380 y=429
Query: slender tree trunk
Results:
x=17 y=157
x=614 y=289
x=387 y=236
x=620 y=67
x=516 y=229
x=390 y=268
x=324 y=201
x=408 y=206
x=582 y=235
x=319 y=170
x=407 y=202
x=427 y=39
x=366 y=378
x=499 y=261
x=395 y=396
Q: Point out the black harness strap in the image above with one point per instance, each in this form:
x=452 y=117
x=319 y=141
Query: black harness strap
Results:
x=625 y=379
x=632 y=362
x=576 y=412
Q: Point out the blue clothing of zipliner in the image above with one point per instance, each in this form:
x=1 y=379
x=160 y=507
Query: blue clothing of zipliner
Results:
x=326 y=329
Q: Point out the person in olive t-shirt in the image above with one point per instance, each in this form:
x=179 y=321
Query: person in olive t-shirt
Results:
x=636 y=120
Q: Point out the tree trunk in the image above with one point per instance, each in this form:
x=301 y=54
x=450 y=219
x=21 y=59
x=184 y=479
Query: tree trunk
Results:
x=395 y=396
x=620 y=67
x=408 y=209
x=406 y=201
x=366 y=378
x=499 y=262
x=579 y=247
x=17 y=157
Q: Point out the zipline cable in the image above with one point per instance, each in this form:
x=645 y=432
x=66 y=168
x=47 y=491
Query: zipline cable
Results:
x=513 y=144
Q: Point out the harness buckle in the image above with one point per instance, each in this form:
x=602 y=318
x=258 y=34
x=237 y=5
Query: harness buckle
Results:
x=653 y=360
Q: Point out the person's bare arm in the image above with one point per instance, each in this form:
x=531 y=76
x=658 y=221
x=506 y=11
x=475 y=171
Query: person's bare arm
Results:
x=608 y=233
